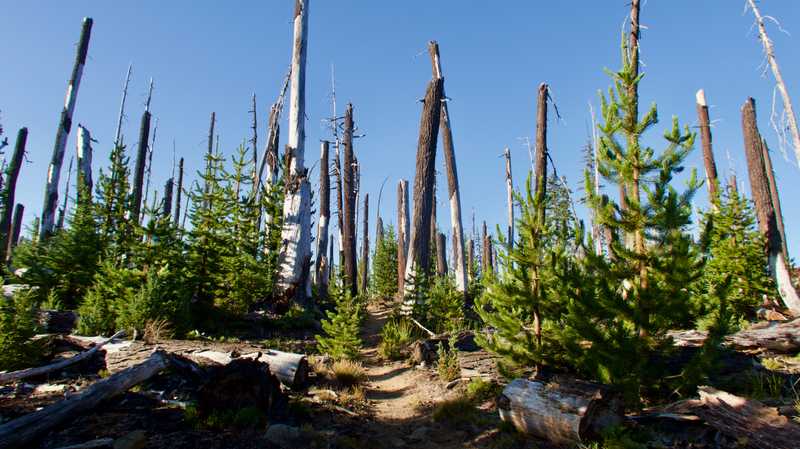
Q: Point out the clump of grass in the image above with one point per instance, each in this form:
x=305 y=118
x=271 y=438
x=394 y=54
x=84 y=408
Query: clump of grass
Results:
x=763 y=385
x=772 y=364
x=157 y=330
x=395 y=337
x=455 y=411
x=480 y=390
x=244 y=418
x=348 y=373
x=447 y=366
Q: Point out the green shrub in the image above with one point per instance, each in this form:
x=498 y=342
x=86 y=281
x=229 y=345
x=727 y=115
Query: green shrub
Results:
x=341 y=330
x=445 y=306
x=395 y=337
x=447 y=365
x=17 y=327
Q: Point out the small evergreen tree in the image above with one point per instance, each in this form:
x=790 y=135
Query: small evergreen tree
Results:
x=114 y=288
x=17 y=327
x=341 y=330
x=384 y=266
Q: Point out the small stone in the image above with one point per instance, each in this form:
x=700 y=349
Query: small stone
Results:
x=282 y=435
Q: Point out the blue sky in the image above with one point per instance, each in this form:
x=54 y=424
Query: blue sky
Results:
x=211 y=56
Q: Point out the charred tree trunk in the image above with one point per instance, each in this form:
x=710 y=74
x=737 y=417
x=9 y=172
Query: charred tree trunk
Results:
x=776 y=200
x=540 y=169
x=85 y=161
x=486 y=257
x=178 y=193
x=63 y=211
x=349 y=205
x=141 y=159
x=118 y=135
x=765 y=210
x=167 y=207
x=16 y=228
x=708 y=153
x=402 y=234
x=320 y=276
x=419 y=249
x=254 y=141
x=10 y=188
x=441 y=255
x=459 y=264
x=295 y=257
x=470 y=258
x=365 y=248
x=47 y=223
x=509 y=200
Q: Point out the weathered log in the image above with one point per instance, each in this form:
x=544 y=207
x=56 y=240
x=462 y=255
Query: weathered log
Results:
x=290 y=369
x=565 y=411
x=746 y=420
x=41 y=370
x=773 y=336
x=24 y=430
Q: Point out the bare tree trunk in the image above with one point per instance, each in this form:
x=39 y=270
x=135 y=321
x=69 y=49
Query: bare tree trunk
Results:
x=138 y=174
x=470 y=258
x=459 y=264
x=10 y=188
x=365 y=248
x=765 y=210
x=209 y=152
x=270 y=158
x=776 y=200
x=178 y=194
x=295 y=256
x=65 y=124
x=776 y=72
x=349 y=205
x=85 y=160
x=167 y=207
x=419 y=248
x=63 y=211
x=708 y=153
x=402 y=234
x=118 y=135
x=378 y=230
x=324 y=218
x=254 y=140
x=540 y=169
x=441 y=255
x=509 y=200
x=149 y=167
x=16 y=227
x=486 y=257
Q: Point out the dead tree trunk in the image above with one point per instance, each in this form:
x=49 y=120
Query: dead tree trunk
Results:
x=470 y=258
x=402 y=234
x=209 y=152
x=118 y=135
x=16 y=227
x=459 y=264
x=167 y=207
x=324 y=218
x=765 y=210
x=254 y=141
x=708 y=153
x=418 y=258
x=486 y=257
x=365 y=248
x=349 y=205
x=63 y=211
x=776 y=200
x=540 y=169
x=149 y=167
x=776 y=72
x=178 y=194
x=141 y=159
x=509 y=200
x=85 y=161
x=295 y=256
x=47 y=223
x=441 y=255
x=10 y=188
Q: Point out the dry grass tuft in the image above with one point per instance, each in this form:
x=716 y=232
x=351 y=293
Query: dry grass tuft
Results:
x=348 y=373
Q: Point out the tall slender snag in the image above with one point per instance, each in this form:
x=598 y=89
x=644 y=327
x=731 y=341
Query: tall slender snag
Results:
x=441 y=255
x=167 y=206
x=63 y=211
x=10 y=188
x=141 y=159
x=179 y=193
x=85 y=159
x=540 y=168
x=365 y=248
x=320 y=277
x=118 y=134
x=65 y=124
x=769 y=51
x=509 y=200
x=254 y=140
x=16 y=228
x=402 y=234
x=448 y=149
x=765 y=210
x=708 y=153
x=419 y=247
x=295 y=256
x=486 y=255
x=349 y=204
x=149 y=167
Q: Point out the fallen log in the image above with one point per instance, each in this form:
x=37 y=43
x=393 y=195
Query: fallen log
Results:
x=780 y=337
x=94 y=444
x=41 y=370
x=290 y=369
x=564 y=412
x=747 y=421
x=21 y=431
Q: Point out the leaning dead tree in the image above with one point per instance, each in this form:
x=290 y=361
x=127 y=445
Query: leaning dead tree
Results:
x=47 y=223
x=141 y=158
x=16 y=227
x=509 y=199
x=295 y=254
x=118 y=134
x=402 y=234
x=320 y=277
x=9 y=191
x=453 y=191
x=708 y=154
x=349 y=205
x=418 y=259
x=85 y=160
x=365 y=247
x=765 y=209
x=776 y=200
x=769 y=51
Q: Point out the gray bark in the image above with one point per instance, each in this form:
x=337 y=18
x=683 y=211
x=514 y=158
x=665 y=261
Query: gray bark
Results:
x=10 y=187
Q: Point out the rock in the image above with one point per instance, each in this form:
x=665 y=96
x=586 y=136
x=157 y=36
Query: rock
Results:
x=421 y=434
x=134 y=440
x=282 y=435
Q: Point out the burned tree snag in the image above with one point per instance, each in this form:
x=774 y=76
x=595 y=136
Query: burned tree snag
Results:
x=540 y=169
x=85 y=161
x=141 y=158
x=63 y=211
x=509 y=199
x=365 y=248
x=776 y=200
x=349 y=205
x=118 y=135
x=402 y=234
x=294 y=278
x=708 y=153
x=320 y=277
x=419 y=248
x=178 y=193
x=167 y=207
x=765 y=210
x=441 y=255
x=16 y=227
x=65 y=124
x=470 y=258
x=453 y=191
x=486 y=256
x=254 y=140
x=10 y=187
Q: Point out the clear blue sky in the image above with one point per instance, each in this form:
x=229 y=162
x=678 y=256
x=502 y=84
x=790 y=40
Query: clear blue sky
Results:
x=211 y=56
